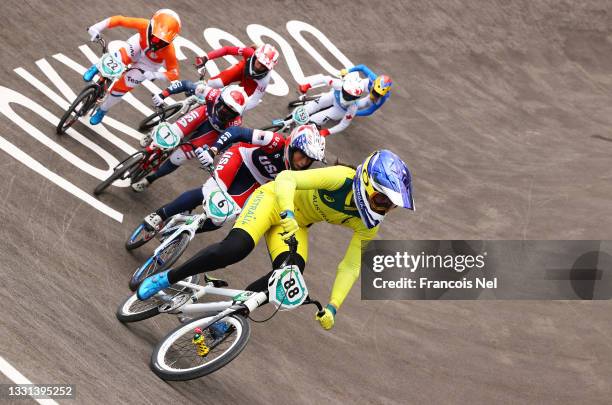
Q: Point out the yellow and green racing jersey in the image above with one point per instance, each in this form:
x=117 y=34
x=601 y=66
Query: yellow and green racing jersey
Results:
x=326 y=194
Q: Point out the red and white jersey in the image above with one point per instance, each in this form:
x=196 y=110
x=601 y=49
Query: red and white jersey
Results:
x=254 y=88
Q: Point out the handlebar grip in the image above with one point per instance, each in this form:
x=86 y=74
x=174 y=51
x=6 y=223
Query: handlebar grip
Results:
x=320 y=313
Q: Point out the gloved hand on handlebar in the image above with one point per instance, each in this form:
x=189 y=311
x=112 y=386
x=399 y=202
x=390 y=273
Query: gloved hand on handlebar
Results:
x=206 y=156
x=200 y=61
x=94 y=33
x=328 y=319
x=303 y=88
x=289 y=224
x=343 y=72
x=158 y=100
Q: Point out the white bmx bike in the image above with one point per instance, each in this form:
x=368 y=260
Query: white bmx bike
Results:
x=214 y=333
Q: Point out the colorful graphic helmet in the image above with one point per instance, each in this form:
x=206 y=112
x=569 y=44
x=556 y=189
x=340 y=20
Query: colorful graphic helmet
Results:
x=382 y=85
x=229 y=105
x=305 y=138
x=164 y=26
x=268 y=56
x=352 y=87
x=381 y=183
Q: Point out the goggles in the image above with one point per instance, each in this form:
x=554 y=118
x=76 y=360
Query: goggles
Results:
x=380 y=202
x=157 y=43
x=224 y=112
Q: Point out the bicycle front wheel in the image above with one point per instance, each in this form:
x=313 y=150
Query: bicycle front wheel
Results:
x=122 y=171
x=162 y=261
x=180 y=357
x=79 y=107
x=153 y=119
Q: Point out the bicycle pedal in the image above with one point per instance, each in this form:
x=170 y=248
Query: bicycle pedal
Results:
x=216 y=282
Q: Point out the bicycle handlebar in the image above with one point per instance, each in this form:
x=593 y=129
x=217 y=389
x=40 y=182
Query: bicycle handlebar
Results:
x=293 y=245
x=202 y=72
x=102 y=43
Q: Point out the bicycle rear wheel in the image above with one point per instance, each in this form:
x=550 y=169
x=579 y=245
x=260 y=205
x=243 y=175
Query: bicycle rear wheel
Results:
x=176 y=357
x=121 y=171
x=301 y=101
x=79 y=107
x=153 y=119
x=162 y=261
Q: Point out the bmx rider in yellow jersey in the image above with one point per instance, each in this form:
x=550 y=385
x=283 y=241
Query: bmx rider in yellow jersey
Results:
x=357 y=199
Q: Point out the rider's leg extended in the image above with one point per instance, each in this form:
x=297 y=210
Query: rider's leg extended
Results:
x=122 y=86
x=236 y=246
x=260 y=213
x=177 y=158
x=332 y=113
x=325 y=101
x=187 y=201
x=279 y=251
x=232 y=175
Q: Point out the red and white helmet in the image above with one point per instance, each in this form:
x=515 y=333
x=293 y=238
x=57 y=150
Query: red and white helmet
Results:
x=229 y=105
x=265 y=54
x=353 y=87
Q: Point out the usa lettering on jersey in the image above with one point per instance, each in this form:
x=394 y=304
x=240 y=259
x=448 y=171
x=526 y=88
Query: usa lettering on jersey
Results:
x=268 y=165
x=186 y=119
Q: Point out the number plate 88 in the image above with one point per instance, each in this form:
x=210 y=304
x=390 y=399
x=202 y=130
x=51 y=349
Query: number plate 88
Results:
x=287 y=288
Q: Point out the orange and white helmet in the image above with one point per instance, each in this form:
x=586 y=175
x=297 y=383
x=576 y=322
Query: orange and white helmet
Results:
x=265 y=54
x=165 y=25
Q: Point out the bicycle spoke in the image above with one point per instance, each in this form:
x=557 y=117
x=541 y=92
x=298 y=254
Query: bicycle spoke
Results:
x=183 y=355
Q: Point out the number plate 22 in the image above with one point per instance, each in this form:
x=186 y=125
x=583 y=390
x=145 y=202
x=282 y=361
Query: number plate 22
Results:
x=110 y=66
x=287 y=288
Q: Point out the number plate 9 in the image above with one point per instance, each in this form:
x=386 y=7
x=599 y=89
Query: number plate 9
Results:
x=287 y=288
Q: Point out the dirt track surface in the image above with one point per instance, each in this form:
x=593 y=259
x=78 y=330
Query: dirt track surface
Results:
x=501 y=109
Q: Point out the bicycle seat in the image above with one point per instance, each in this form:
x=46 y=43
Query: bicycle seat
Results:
x=216 y=282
